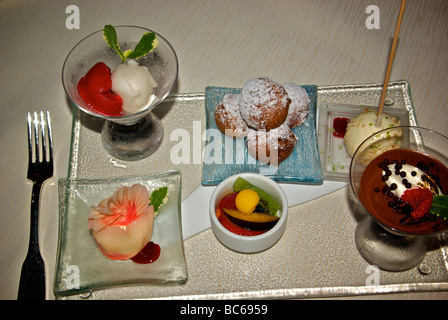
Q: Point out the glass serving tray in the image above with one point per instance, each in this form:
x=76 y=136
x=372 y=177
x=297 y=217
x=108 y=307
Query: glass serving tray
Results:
x=317 y=255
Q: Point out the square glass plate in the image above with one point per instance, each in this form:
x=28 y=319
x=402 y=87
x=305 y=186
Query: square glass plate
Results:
x=302 y=166
x=334 y=157
x=81 y=267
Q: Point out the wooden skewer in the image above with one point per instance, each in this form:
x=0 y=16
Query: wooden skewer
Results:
x=389 y=64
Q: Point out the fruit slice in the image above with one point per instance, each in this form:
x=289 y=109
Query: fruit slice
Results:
x=247 y=200
x=250 y=217
x=95 y=89
x=272 y=205
x=228 y=201
x=233 y=227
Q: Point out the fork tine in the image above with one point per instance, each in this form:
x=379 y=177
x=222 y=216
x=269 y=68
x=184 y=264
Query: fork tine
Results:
x=40 y=137
x=30 y=143
x=36 y=137
x=50 y=138
x=42 y=130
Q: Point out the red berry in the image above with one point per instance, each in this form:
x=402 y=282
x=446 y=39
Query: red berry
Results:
x=229 y=201
x=95 y=89
x=420 y=199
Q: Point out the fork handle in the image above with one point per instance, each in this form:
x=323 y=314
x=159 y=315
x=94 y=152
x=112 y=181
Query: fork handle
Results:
x=32 y=277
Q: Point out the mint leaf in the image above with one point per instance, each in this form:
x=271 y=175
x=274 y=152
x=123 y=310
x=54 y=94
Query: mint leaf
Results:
x=158 y=198
x=272 y=205
x=146 y=44
x=110 y=35
x=439 y=206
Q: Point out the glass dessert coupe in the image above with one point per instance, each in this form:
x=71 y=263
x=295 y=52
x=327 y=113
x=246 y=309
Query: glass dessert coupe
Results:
x=132 y=136
x=389 y=237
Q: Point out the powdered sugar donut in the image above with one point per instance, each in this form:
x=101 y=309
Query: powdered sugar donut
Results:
x=264 y=104
x=300 y=104
x=271 y=147
x=228 y=117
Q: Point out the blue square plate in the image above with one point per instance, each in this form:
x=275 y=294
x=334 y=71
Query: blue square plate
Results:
x=302 y=166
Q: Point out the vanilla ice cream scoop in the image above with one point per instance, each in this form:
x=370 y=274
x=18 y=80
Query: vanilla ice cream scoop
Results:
x=134 y=84
x=363 y=126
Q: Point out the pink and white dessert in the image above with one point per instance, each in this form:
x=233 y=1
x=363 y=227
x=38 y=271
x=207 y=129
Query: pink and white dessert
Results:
x=126 y=90
x=122 y=225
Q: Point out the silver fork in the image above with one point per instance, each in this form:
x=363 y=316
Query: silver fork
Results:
x=40 y=169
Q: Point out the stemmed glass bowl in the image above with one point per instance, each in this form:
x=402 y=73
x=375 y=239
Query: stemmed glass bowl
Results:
x=388 y=236
x=132 y=136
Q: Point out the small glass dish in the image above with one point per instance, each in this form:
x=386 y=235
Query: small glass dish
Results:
x=133 y=136
x=80 y=265
x=333 y=155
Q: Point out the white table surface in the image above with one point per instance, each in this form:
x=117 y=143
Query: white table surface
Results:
x=222 y=43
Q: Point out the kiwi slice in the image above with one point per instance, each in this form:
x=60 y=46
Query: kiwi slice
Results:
x=272 y=205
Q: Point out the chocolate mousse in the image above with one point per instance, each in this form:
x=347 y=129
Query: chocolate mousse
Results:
x=388 y=177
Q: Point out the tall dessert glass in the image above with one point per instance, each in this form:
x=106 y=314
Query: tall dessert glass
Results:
x=390 y=237
x=132 y=136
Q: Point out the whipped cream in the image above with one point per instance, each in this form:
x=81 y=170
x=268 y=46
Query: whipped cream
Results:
x=402 y=177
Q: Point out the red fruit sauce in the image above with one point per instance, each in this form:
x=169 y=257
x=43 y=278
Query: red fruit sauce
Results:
x=339 y=127
x=95 y=89
x=148 y=254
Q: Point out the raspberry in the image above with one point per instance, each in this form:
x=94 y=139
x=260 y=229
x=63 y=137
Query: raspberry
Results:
x=420 y=199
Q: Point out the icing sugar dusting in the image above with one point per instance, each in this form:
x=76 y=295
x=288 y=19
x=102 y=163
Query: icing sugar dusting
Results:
x=228 y=112
x=300 y=103
x=275 y=138
x=259 y=95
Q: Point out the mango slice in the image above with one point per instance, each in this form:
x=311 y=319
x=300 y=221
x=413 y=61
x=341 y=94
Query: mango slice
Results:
x=250 y=217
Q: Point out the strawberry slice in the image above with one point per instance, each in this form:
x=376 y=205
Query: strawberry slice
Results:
x=228 y=201
x=95 y=89
x=420 y=199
